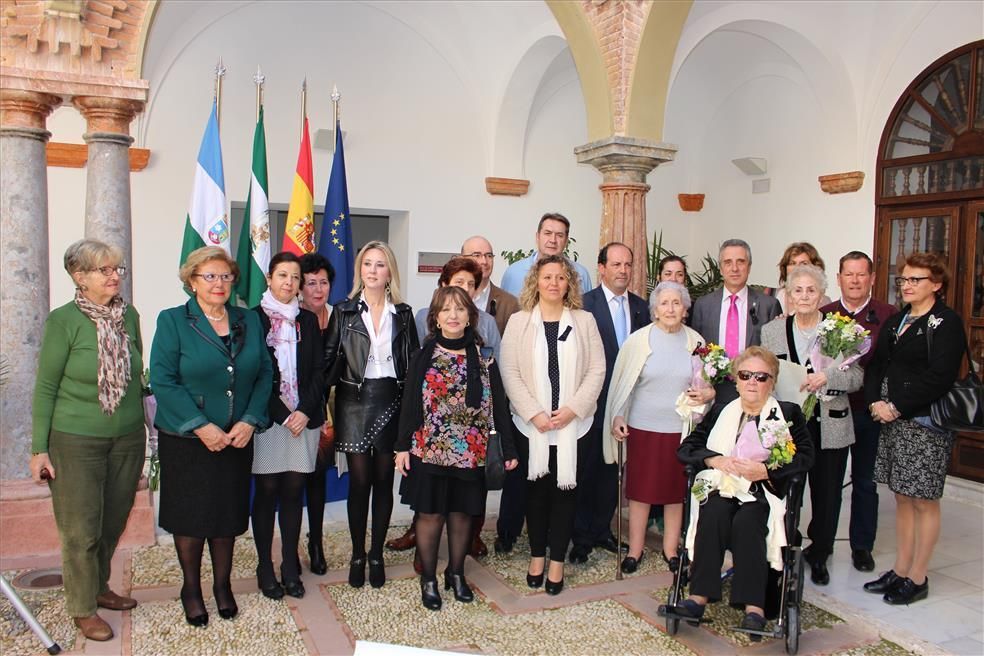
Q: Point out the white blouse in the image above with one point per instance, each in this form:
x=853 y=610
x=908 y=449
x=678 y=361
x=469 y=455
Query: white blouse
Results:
x=380 y=364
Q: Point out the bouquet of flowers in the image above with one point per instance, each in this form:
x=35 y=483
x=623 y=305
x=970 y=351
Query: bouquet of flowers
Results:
x=837 y=337
x=712 y=366
x=150 y=411
x=776 y=438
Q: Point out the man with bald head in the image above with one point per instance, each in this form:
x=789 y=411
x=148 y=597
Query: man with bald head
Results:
x=494 y=300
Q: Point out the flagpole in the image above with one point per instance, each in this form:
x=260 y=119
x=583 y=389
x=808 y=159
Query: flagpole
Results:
x=259 y=79
x=220 y=72
x=303 y=105
x=335 y=97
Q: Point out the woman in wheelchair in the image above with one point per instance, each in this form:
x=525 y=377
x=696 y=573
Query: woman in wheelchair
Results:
x=748 y=450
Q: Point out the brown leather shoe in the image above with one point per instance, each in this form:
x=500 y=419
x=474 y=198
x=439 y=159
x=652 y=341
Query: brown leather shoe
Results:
x=478 y=548
x=94 y=628
x=113 y=601
x=406 y=541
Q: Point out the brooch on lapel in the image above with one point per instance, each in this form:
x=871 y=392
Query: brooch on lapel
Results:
x=934 y=321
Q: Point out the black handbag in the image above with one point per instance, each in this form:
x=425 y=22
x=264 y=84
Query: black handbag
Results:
x=495 y=462
x=962 y=407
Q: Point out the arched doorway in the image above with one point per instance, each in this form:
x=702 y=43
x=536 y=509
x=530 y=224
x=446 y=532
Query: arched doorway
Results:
x=930 y=197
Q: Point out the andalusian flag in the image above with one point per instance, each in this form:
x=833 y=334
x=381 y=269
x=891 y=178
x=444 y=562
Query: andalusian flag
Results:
x=207 y=222
x=299 y=231
x=253 y=255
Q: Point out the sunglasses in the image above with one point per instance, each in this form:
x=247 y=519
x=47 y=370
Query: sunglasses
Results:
x=760 y=376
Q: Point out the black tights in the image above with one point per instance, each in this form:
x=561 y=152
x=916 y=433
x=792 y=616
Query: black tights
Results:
x=190 y=556
x=370 y=472
x=429 y=538
x=285 y=487
x=315 y=490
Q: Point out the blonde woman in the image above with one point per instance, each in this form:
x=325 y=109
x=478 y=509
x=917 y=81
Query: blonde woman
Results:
x=553 y=368
x=369 y=341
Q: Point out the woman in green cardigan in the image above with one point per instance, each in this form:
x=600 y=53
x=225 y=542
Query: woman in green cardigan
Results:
x=212 y=377
x=88 y=432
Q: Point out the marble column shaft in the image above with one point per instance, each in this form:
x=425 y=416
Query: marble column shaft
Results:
x=24 y=284
x=107 y=194
x=624 y=163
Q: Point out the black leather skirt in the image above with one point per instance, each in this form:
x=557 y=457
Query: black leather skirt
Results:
x=366 y=416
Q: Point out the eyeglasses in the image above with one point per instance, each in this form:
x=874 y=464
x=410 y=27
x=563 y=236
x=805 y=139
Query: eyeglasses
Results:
x=759 y=376
x=482 y=256
x=110 y=270
x=902 y=281
x=212 y=277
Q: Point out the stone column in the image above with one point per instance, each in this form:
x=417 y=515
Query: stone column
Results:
x=624 y=163
x=24 y=284
x=107 y=192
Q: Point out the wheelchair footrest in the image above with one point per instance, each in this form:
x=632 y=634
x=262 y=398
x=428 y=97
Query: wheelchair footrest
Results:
x=775 y=632
x=668 y=612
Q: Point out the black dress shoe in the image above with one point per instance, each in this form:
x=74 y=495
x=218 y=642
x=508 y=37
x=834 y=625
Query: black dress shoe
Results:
x=377 y=573
x=294 y=588
x=553 y=587
x=579 y=554
x=316 y=554
x=907 y=592
x=503 y=544
x=224 y=595
x=197 y=620
x=630 y=565
x=228 y=613
x=534 y=580
x=672 y=562
x=688 y=609
x=267 y=583
x=863 y=562
x=429 y=596
x=883 y=583
x=357 y=572
x=755 y=622
x=612 y=545
x=457 y=582
x=818 y=572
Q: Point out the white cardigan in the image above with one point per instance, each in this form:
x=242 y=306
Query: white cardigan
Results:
x=628 y=367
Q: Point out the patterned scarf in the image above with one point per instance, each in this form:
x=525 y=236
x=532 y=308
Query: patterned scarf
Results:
x=114 y=349
x=283 y=338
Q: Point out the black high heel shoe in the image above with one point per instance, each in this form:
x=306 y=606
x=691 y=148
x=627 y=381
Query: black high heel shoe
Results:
x=534 y=580
x=195 y=620
x=630 y=565
x=457 y=582
x=673 y=562
x=294 y=588
x=317 y=555
x=229 y=612
x=553 y=587
x=268 y=584
x=357 y=572
x=429 y=596
x=377 y=572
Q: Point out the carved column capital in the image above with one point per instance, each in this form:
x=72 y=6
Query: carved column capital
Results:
x=108 y=115
x=624 y=159
x=26 y=109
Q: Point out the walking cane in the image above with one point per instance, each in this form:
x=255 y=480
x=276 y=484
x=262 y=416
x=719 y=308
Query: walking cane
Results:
x=618 y=519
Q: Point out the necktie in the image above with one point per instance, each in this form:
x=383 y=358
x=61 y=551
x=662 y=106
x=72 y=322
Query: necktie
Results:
x=731 y=329
x=621 y=330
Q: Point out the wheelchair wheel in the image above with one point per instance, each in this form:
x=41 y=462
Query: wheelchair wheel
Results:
x=672 y=624
x=792 y=626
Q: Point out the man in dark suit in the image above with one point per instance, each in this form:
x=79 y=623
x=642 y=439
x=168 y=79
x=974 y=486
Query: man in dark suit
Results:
x=733 y=316
x=618 y=313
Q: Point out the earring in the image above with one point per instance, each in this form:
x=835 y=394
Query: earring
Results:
x=83 y=288
x=467 y=323
x=194 y=291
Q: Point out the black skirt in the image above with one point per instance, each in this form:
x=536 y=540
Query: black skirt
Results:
x=433 y=489
x=366 y=416
x=204 y=494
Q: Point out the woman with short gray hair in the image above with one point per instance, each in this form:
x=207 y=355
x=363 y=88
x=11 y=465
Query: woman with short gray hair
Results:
x=651 y=373
x=88 y=427
x=831 y=427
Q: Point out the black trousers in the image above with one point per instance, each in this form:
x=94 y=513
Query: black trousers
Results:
x=741 y=527
x=549 y=513
x=597 y=490
x=512 y=502
x=826 y=478
x=864 y=491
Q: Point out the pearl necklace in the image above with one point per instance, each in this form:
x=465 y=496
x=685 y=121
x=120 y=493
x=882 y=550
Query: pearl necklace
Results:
x=218 y=318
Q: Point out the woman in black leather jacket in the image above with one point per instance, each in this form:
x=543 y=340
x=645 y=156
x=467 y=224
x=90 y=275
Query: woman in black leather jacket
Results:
x=368 y=345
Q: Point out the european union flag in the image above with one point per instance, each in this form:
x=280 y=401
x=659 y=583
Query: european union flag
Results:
x=336 y=231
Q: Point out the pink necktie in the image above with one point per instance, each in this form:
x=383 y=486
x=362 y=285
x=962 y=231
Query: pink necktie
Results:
x=731 y=329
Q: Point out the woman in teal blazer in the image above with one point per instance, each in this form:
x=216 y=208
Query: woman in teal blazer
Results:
x=212 y=376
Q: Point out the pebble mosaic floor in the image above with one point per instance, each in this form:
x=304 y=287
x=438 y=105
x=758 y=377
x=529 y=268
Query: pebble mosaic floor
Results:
x=594 y=615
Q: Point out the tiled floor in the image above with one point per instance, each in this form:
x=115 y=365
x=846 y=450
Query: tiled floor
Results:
x=953 y=615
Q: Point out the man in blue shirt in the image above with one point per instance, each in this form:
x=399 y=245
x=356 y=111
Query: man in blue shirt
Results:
x=552 y=235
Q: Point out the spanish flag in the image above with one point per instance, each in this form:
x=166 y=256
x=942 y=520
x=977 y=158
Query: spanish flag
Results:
x=299 y=231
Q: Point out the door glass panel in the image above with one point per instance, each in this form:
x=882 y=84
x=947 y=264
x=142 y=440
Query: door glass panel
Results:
x=948 y=92
x=979 y=118
x=978 y=297
x=912 y=234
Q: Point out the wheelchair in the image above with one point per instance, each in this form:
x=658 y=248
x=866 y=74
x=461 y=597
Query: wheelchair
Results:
x=785 y=613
